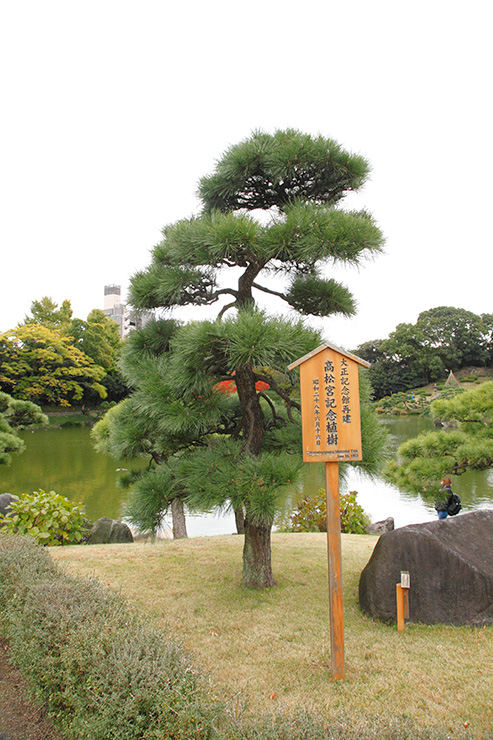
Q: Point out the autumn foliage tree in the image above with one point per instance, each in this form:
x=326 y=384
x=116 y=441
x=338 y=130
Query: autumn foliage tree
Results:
x=53 y=358
x=270 y=226
x=41 y=365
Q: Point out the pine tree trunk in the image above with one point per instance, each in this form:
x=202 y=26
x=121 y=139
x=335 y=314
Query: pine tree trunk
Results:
x=257 y=568
x=179 y=521
x=239 y=520
x=253 y=419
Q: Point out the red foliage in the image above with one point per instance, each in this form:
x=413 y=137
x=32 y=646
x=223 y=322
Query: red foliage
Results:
x=228 y=387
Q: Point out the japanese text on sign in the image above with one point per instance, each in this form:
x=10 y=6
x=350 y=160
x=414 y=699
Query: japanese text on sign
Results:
x=330 y=408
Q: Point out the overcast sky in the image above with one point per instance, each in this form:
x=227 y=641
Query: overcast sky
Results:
x=113 y=110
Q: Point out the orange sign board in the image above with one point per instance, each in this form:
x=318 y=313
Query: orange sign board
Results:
x=330 y=409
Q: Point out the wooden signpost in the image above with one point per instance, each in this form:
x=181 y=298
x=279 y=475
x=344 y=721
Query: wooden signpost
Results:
x=331 y=425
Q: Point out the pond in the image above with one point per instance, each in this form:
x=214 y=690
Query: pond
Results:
x=64 y=460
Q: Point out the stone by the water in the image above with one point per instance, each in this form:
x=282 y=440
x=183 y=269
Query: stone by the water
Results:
x=5 y=501
x=106 y=531
x=450 y=563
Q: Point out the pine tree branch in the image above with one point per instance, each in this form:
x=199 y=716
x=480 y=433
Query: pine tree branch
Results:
x=287 y=400
x=275 y=415
x=268 y=290
x=224 y=291
x=225 y=308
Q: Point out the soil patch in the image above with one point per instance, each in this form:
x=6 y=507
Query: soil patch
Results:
x=21 y=718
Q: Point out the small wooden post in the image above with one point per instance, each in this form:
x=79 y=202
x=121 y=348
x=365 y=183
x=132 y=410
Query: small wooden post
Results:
x=400 y=607
x=402 y=597
x=335 y=569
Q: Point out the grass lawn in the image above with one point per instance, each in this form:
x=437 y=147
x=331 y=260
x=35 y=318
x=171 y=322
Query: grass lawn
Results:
x=271 y=649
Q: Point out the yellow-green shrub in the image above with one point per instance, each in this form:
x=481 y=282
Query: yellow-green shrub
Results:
x=49 y=518
x=311 y=514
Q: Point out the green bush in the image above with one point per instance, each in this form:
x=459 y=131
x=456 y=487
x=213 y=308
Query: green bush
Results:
x=98 y=666
x=49 y=518
x=311 y=514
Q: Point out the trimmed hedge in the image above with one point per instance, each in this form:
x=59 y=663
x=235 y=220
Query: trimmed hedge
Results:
x=101 y=670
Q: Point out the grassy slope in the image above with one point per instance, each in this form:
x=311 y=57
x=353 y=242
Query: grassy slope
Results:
x=271 y=648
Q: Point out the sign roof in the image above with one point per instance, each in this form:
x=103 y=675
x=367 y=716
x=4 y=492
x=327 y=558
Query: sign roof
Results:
x=333 y=347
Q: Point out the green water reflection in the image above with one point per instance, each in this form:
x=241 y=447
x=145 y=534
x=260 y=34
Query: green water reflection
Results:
x=65 y=461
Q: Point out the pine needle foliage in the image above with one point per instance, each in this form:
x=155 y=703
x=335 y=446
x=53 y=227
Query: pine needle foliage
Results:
x=425 y=459
x=268 y=171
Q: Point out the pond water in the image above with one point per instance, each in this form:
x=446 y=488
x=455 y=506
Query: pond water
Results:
x=64 y=460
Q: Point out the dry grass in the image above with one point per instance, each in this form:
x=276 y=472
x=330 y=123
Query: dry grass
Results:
x=272 y=648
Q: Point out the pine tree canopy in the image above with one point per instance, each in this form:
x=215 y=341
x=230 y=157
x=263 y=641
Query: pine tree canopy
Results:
x=298 y=180
x=272 y=171
x=425 y=459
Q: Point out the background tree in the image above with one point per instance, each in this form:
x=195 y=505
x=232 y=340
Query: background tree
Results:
x=413 y=355
x=296 y=180
x=455 y=335
x=38 y=364
x=424 y=460
x=15 y=416
x=98 y=338
x=46 y=312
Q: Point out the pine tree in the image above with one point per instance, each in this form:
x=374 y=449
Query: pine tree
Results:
x=228 y=255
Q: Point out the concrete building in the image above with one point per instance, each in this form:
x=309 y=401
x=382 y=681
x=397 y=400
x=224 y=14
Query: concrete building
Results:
x=125 y=317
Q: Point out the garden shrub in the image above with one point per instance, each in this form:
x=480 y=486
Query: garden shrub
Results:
x=49 y=518
x=311 y=514
x=98 y=665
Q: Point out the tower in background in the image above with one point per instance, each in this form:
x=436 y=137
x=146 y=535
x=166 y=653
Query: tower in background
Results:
x=125 y=317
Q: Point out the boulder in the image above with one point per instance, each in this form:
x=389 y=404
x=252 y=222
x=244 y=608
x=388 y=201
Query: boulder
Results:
x=5 y=501
x=106 y=530
x=386 y=525
x=450 y=563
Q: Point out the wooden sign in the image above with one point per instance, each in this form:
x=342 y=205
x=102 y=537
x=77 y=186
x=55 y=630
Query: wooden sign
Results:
x=330 y=410
x=331 y=425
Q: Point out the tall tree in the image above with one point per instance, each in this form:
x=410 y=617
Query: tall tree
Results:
x=98 y=338
x=228 y=256
x=455 y=335
x=46 y=312
x=39 y=364
x=443 y=339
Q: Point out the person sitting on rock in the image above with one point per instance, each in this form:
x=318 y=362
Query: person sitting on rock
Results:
x=442 y=498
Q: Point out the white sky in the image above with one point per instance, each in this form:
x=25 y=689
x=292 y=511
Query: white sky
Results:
x=112 y=110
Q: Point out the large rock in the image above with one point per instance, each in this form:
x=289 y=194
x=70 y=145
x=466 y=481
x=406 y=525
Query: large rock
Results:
x=5 y=501
x=106 y=530
x=450 y=563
